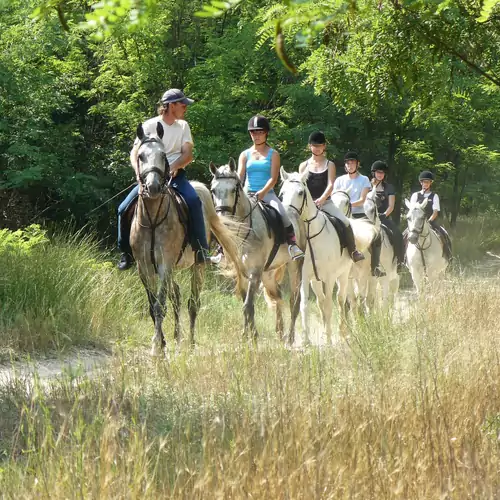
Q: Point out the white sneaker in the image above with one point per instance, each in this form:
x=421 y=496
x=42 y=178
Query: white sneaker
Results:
x=295 y=252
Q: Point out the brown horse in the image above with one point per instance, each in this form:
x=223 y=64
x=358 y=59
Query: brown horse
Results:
x=159 y=238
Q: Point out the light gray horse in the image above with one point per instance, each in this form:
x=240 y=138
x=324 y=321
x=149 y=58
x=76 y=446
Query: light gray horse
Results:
x=257 y=245
x=158 y=238
x=424 y=252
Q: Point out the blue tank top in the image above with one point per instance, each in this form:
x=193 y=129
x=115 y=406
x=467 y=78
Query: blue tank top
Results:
x=258 y=172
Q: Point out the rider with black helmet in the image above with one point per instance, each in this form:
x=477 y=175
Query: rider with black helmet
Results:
x=258 y=169
x=386 y=198
x=432 y=209
x=320 y=184
x=358 y=186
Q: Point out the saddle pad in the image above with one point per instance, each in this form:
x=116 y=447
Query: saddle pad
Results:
x=274 y=222
x=340 y=228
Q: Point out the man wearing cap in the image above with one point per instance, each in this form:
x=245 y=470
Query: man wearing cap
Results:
x=178 y=144
x=358 y=186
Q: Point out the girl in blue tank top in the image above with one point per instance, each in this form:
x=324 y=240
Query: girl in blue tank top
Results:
x=258 y=169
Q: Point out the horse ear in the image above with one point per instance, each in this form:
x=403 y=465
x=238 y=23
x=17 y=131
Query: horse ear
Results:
x=424 y=203
x=347 y=189
x=407 y=203
x=232 y=164
x=159 y=130
x=140 y=132
x=213 y=169
x=284 y=174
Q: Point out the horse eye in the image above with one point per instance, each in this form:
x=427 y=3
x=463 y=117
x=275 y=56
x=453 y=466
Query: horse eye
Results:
x=301 y=192
x=142 y=157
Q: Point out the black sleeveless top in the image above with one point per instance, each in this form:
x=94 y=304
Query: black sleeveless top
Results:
x=383 y=197
x=428 y=208
x=317 y=182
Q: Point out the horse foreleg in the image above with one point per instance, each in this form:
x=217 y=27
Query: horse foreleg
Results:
x=174 y=295
x=159 y=309
x=304 y=305
x=249 y=306
x=194 y=303
x=319 y=289
x=343 y=287
x=272 y=294
x=294 y=273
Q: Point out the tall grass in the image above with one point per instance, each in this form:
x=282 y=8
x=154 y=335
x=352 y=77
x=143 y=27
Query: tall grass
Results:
x=63 y=292
x=401 y=410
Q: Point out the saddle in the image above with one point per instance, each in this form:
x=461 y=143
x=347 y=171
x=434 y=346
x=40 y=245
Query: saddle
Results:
x=339 y=227
x=274 y=222
x=390 y=234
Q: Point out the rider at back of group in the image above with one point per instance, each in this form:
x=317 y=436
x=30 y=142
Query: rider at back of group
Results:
x=178 y=144
x=258 y=169
x=386 y=198
x=432 y=209
x=320 y=184
x=358 y=187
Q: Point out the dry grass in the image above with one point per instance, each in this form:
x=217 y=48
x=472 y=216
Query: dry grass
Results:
x=404 y=410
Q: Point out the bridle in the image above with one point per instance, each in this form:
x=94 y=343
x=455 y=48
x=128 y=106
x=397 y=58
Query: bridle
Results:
x=308 y=223
x=232 y=210
x=226 y=208
x=164 y=174
x=154 y=223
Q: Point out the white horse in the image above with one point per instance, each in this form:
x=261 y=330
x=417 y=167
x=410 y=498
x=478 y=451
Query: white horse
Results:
x=259 y=260
x=362 y=285
x=325 y=262
x=424 y=253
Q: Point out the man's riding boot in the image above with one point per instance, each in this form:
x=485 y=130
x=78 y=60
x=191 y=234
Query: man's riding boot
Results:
x=126 y=261
x=376 y=248
x=355 y=254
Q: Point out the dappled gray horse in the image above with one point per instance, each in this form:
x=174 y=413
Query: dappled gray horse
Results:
x=256 y=249
x=159 y=237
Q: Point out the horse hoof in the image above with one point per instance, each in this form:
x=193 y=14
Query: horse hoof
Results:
x=156 y=351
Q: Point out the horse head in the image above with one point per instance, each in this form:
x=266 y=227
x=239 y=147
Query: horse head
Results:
x=416 y=219
x=225 y=187
x=152 y=163
x=294 y=190
x=370 y=205
x=342 y=200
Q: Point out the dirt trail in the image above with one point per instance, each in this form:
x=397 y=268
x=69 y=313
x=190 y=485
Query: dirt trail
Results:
x=84 y=361
x=88 y=361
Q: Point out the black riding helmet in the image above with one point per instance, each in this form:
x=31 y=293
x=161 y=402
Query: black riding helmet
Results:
x=259 y=122
x=426 y=175
x=317 y=138
x=379 y=165
x=351 y=155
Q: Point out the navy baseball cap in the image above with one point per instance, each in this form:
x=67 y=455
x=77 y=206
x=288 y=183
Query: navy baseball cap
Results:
x=175 y=95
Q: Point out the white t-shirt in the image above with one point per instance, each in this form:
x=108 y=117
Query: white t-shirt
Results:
x=435 y=202
x=174 y=136
x=356 y=186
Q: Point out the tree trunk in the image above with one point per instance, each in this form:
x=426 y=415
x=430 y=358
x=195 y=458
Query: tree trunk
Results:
x=395 y=176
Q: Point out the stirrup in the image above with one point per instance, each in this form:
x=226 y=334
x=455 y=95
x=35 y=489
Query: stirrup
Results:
x=295 y=252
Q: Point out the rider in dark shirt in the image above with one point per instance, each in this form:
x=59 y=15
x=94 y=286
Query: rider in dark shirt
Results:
x=386 y=197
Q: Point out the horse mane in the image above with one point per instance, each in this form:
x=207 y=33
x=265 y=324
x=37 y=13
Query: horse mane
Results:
x=225 y=171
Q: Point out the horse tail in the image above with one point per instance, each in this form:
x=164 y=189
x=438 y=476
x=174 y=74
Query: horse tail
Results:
x=225 y=230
